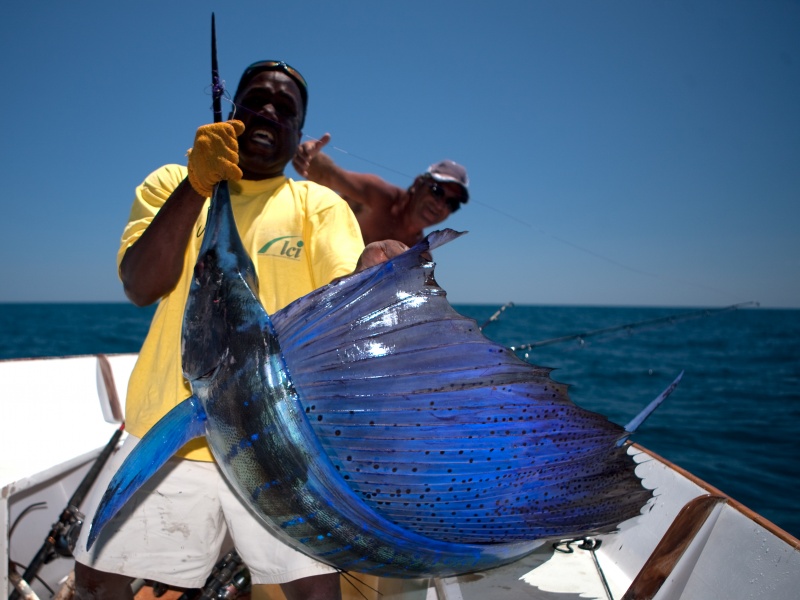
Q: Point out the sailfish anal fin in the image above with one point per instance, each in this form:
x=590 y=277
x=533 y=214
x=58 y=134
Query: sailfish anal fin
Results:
x=180 y=425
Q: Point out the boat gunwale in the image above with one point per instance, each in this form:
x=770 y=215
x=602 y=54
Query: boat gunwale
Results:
x=750 y=514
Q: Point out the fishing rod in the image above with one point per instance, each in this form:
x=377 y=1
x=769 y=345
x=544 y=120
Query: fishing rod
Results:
x=60 y=541
x=216 y=87
x=230 y=575
x=496 y=315
x=631 y=326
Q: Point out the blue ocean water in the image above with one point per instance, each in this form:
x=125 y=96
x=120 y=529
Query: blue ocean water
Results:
x=734 y=421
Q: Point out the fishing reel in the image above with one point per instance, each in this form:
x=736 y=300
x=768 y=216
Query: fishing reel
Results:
x=64 y=534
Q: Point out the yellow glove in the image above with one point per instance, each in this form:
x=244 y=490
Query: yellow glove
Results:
x=215 y=156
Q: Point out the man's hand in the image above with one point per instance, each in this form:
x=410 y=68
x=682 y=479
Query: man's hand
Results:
x=305 y=155
x=215 y=156
x=379 y=252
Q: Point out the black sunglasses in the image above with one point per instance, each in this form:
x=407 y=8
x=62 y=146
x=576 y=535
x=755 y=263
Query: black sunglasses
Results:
x=438 y=192
x=275 y=65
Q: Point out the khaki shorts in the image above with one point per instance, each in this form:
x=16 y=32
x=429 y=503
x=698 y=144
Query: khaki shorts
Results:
x=174 y=527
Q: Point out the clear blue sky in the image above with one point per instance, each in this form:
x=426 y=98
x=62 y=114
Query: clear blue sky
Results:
x=639 y=152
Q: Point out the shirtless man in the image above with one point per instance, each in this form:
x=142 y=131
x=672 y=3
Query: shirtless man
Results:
x=385 y=211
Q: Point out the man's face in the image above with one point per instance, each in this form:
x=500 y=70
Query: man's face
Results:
x=429 y=200
x=271 y=109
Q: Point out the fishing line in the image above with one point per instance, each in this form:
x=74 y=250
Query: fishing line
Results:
x=236 y=107
x=628 y=327
x=412 y=177
x=219 y=88
x=361 y=158
x=350 y=578
x=543 y=232
x=592 y=544
x=34 y=506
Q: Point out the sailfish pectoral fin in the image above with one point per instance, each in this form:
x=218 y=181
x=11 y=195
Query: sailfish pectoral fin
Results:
x=183 y=423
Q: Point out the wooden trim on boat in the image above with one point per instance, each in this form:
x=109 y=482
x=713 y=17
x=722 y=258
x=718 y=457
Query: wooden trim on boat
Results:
x=109 y=389
x=783 y=535
x=671 y=548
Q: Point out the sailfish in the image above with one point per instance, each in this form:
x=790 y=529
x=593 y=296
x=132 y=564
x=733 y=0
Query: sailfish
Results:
x=372 y=427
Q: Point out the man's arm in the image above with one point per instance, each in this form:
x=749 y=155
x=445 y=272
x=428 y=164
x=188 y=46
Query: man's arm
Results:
x=152 y=266
x=361 y=188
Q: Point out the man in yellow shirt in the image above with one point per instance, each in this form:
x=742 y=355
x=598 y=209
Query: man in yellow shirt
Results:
x=300 y=236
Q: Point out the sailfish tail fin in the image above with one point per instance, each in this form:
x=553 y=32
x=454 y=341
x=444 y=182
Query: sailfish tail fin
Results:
x=183 y=423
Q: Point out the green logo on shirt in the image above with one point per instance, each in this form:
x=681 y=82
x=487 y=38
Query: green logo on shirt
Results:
x=287 y=246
